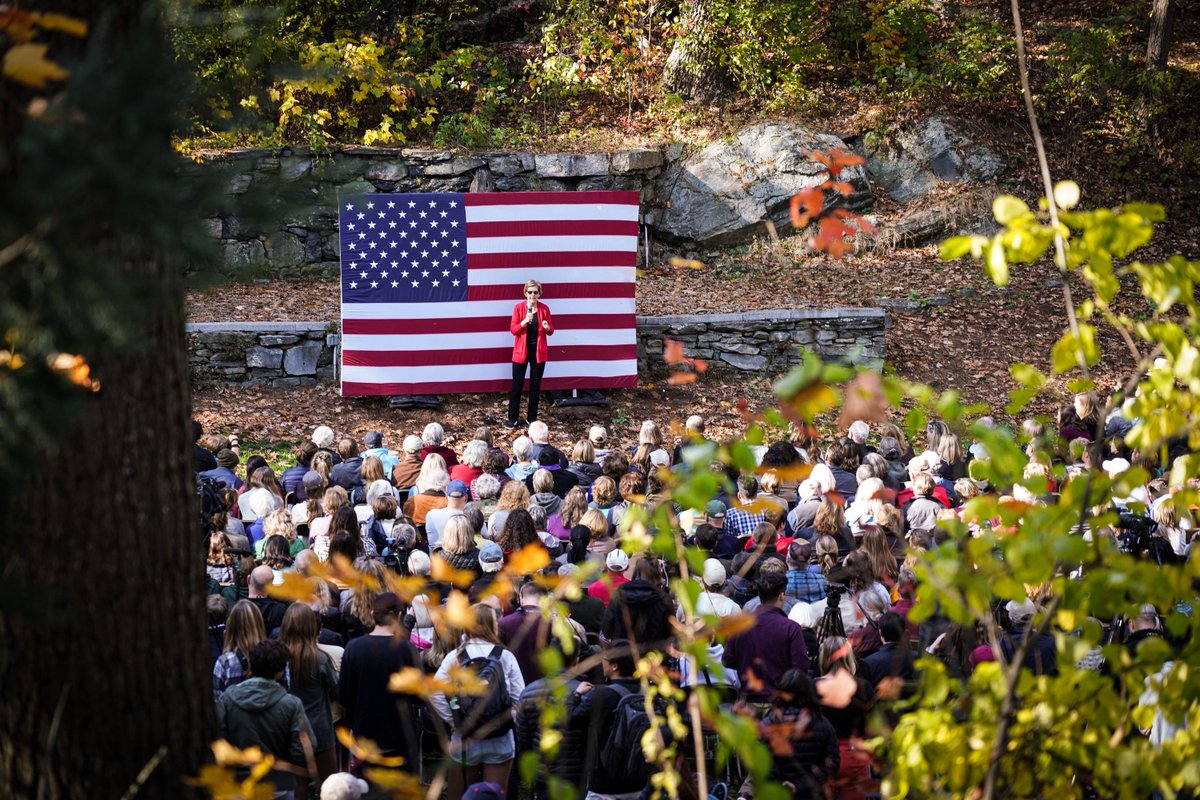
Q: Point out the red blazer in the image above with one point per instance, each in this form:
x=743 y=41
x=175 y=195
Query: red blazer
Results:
x=517 y=328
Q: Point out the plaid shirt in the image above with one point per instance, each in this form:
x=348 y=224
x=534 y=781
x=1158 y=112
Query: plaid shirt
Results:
x=742 y=523
x=805 y=585
x=226 y=672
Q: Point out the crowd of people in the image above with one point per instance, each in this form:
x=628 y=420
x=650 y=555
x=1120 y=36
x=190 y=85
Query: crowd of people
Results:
x=816 y=543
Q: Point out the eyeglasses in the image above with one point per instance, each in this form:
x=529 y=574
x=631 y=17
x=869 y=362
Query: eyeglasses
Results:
x=533 y=292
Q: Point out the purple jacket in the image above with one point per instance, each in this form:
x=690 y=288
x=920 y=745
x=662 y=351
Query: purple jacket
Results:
x=773 y=646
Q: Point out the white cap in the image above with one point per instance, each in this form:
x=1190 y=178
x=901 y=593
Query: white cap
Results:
x=617 y=561
x=660 y=458
x=714 y=573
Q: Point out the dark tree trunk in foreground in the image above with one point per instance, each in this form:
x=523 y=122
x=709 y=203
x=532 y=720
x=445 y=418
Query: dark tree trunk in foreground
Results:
x=1162 y=20
x=103 y=658
x=691 y=70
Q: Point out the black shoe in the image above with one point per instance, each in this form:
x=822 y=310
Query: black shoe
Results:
x=510 y=424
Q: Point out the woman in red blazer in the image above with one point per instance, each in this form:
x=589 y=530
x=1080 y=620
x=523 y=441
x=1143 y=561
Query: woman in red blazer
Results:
x=531 y=324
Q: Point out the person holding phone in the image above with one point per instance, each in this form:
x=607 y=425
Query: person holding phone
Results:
x=531 y=324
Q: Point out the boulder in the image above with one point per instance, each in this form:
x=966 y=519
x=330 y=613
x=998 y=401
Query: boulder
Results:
x=302 y=359
x=571 y=165
x=910 y=163
x=727 y=191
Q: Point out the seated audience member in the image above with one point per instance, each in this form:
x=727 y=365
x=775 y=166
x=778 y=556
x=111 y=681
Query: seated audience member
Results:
x=806 y=581
x=405 y=473
x=432 y=441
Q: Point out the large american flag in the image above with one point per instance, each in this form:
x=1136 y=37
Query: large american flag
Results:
x=429 y=282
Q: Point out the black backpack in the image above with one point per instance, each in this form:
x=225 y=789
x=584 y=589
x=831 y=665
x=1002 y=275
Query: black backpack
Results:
x=622 y=757
x=483 y=716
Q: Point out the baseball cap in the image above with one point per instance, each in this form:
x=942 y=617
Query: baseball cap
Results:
x=373 y=439
x=490 y=557
x=312 y=480
x=456 y=489
x=715 y=508
x=617 y=561
x=714 y=573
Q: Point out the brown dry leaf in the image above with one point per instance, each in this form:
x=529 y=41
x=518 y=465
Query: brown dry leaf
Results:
x=889 y=688
x=863 y=398
x=406 y=588
x=61 y=22
x=442 y=570
x=733 y=624
x=76 y=369
x=778 y=736
x=529 y=558
x=16 y=23
x=367 y=750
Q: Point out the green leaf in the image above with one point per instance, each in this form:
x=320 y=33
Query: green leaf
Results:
x=1066 y=352
x=957 y=247
x=996 y=264
x=1006 y=208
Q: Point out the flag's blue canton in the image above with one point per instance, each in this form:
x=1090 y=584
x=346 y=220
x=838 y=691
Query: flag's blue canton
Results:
x=403 y=248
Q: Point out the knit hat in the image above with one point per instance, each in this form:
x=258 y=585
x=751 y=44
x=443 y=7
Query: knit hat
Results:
x=714 y=573
x=617 y=561
x=323 y=436
x=227 y=458
x=373 y=439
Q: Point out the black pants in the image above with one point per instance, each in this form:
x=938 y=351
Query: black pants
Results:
x=535 y=386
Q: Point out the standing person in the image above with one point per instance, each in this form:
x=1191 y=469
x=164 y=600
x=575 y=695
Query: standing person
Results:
x=313 y=680
x=531 y=324
x=244 y=628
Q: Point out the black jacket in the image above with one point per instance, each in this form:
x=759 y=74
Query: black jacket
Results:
x=568 y=764
x=814 y=758
x=640 y=612
x=347 y=474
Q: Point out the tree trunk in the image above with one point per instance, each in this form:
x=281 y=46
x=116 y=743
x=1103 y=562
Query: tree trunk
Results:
x=690 y=70
x=1162 y=20
x=103 y=655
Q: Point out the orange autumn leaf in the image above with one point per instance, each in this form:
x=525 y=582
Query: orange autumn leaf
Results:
x=529 y=558
x=456 y=614
x=227 y=755
x=502 y=587
x=690 y=263
x=414 y=681
x=295 y=587
x=339 y=570
x=842 y=187
x=367 y=750
x=680 y=378
x=699 y=364
x=673 y=351
x=76 y=370
x=441 y=570
x=838 y=688
x=812 y=200
x=778 y=736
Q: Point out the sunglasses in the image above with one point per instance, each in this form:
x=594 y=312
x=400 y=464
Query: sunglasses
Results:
x=532 y=292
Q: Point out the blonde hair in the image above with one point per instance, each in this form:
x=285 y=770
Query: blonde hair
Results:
x=768 y=482
x=532 y=282
x=543 y=481
x=372 y=470
x=846 y=660
x=583 y=451
x=604 y=491
x=279 y=523
x=826 y=550
x=922 y=484
x=830 y=519
x=650 y=434
x=593 y=519
x=966 y=488
x=514 y=495
x=335 y=497
x=457 y=537
x=433 y=474
x=949 y=448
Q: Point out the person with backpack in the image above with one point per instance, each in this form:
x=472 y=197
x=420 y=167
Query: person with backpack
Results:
x=482 y=745
x=609 y=717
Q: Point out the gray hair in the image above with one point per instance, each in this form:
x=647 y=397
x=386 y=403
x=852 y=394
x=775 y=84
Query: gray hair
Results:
x=539 y=431
x=434 y=434
x=474 y=452
x=538 y=513
x=523 y=448
x=418 y=562
x=487 y=486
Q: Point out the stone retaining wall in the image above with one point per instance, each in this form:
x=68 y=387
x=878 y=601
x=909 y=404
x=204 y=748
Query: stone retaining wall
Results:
x=760 y=342
x=277 y=214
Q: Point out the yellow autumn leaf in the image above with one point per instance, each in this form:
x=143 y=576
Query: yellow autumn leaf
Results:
x=228 y=755
x=441 y=570
x=464 y=681
x=501 y=587
x=396 y=782
x=75 y=368
x=406 y=588
x=734 y=624
x=339 y=570
x=61 y=22
x=220 y=783
x=367 y=750
x=27 y=63
x=529 y=558
x=294 y=587
x=456 y=613
x=414 y=681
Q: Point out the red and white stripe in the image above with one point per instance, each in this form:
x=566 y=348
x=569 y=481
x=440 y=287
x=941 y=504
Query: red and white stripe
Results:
x=582 y=246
